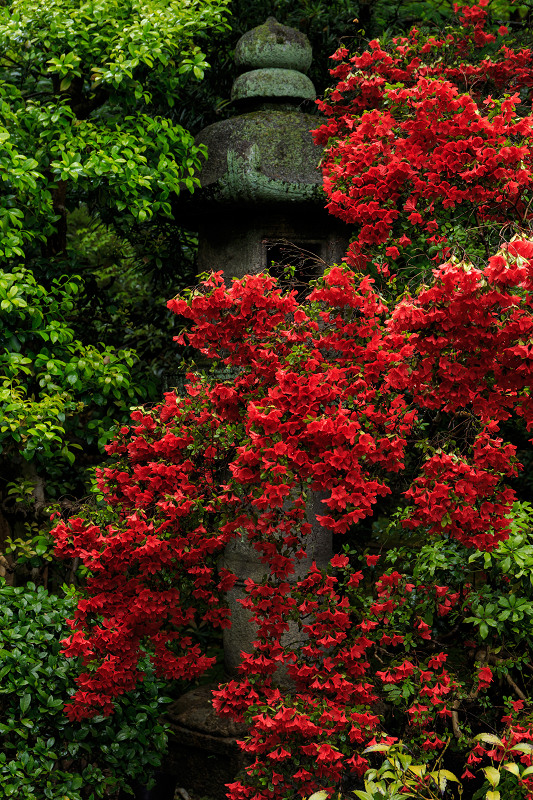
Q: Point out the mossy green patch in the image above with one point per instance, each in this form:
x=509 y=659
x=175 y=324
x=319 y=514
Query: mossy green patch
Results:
x=274 y=45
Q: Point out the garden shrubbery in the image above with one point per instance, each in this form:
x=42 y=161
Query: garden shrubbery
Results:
x=386 y=394
x=389 y=394
x=42 y=754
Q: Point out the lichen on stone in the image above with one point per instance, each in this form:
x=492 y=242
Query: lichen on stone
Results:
x=274 y=45
x=273 y=82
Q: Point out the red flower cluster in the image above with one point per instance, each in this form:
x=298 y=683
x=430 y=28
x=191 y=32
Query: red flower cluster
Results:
x=425 y=128
x=326 y=404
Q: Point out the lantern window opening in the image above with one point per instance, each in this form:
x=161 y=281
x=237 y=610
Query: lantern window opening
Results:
x=294 y=263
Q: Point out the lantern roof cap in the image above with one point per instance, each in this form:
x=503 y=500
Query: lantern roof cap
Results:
x=274 y=45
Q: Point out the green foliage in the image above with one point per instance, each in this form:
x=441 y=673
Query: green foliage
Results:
x=399 y=776
x=126 y=281
x=80 y=84
x=500 y=582
x=505 y=597
x=42 y=755
x=48 y=378
x=86 y=137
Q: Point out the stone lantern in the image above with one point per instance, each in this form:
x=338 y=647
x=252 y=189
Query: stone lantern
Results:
x=261 y=198
x=260 y=202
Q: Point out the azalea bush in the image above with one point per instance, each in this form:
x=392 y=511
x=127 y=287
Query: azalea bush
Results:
x=332 y=397
x=428 y=143
x=378 y=396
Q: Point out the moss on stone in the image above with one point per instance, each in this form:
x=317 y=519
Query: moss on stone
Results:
x=266 y=156
x=282 y=142
x=273 y=83
x=274 y=45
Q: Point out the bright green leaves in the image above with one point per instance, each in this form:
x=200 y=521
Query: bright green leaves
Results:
x=155 y=35
x=483 y=618
x=73 y=78
x=67 y=67
x=20 y=184
x=137 y=164
x=47 y=378
x=195 y=64
x=107 y=42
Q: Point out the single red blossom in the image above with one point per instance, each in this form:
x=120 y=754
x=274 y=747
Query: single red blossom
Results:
x=355 y=579
x=485 y=677
x=339 y=561
x=437 y=660
x=424 y=630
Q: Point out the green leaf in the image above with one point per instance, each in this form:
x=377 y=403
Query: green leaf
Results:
x=25 y=701
x=523 y=747
x=377 y=748
x=511 y=767
x=489 y=738
x=418 y=769
x=442 y=776
x=492 y=775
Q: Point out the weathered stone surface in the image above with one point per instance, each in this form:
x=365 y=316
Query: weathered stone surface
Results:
x=194 y=711
x=203 y=753
x=262 y=157
x=273 y=83
x=274 y=45
x=236 y=241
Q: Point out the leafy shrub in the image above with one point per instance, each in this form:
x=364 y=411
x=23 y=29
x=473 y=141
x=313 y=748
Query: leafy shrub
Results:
x=42 y=754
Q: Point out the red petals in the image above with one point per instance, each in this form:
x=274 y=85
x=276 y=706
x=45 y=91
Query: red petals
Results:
x=485 y=677
x=339 y=561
